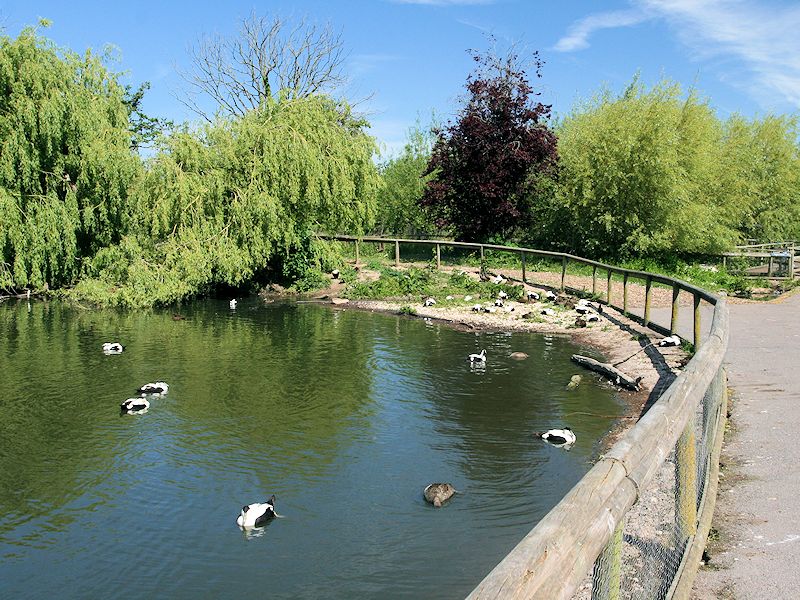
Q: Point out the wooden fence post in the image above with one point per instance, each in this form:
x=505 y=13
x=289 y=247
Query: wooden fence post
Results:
x=648 y=285
x=356 y=252
x=397 y=253
x=608 y=289
x=594 y=280
x=769 y=268
x=438 y=257
x=625 y=294
x=563 y=271
x=697 y=323
x=522 y=255
x=686 y=483
x=673 y=324
x=607 y=572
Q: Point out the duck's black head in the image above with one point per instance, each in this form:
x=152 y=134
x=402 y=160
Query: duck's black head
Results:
x=271 y=500
x=568 y=428
x=245 y=509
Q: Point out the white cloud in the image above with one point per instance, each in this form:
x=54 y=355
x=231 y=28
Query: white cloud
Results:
x=578 y=34
x=759 y=43
x=749 y=44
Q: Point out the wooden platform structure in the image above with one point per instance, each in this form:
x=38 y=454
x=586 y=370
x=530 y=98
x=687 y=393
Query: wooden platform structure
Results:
x=775 y=260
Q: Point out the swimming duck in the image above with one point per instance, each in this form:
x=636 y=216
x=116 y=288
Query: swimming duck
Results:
x=232 y=304
x=257 y=514
x=558 y=437
x=134 y=406
x=437 y=493
x=159 y=388
x=113 y=348
x=478 y=357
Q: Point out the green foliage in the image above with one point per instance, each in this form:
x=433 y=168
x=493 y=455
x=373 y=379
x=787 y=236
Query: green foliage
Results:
x=760 y=177
x=242 y=198
x=407 y=310
x=638 y=175
x=65 y=161
x=398 y=211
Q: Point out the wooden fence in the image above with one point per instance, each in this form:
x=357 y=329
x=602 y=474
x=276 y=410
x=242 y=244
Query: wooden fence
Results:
x=777 y=260
x=584 y=533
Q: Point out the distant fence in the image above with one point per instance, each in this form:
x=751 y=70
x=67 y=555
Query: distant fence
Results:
x=776 y=260
x=661 y=476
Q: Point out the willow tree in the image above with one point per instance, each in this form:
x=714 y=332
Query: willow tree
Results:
x=65 y=161
x=224 y=204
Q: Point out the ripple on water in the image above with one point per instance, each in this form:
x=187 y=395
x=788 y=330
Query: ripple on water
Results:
x=345 y=416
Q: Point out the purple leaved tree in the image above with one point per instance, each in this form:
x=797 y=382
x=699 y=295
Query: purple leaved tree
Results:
x=487 y=165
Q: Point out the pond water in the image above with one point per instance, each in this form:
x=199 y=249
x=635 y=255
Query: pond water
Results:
x=345 y=416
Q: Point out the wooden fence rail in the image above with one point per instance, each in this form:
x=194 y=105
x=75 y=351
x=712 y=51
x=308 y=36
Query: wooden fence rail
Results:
x=585 y=528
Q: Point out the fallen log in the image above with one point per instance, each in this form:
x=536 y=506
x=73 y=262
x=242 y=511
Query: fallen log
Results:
x=614 y=374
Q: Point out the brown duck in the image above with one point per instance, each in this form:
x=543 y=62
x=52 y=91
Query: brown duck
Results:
x=437 y=493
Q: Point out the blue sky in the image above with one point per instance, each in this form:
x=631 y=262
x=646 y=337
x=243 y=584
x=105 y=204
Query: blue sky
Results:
x=408 y=57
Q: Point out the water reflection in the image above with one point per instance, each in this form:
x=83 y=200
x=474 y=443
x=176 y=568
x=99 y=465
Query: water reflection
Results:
x=345 y=416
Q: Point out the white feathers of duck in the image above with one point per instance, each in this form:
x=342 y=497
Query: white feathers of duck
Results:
x=135 y=406
x=257 y=514
x=156 y=388
x=558 y=437
x=478 y=357
x=113 y=348
x=672 y=340
x=430 y=301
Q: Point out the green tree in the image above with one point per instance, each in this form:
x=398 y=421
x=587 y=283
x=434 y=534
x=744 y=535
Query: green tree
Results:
x=398 y=210
x=638 y=176
x=65 y=161
x=238 y=198
x=760 y=175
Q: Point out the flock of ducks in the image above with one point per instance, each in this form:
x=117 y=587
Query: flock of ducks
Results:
x=139 y=404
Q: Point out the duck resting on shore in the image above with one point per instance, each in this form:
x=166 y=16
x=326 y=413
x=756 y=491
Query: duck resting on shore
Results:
x=438 y=493
x=257 y=514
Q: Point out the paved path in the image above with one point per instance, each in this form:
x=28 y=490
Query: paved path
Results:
x=757 y=553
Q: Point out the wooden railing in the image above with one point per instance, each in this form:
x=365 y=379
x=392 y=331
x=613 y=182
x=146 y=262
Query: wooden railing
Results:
x=770 y=256
x=584 y=532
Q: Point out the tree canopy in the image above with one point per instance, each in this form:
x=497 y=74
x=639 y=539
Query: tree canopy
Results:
x=65 y=161
x=483 y=165
x=222 y=205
